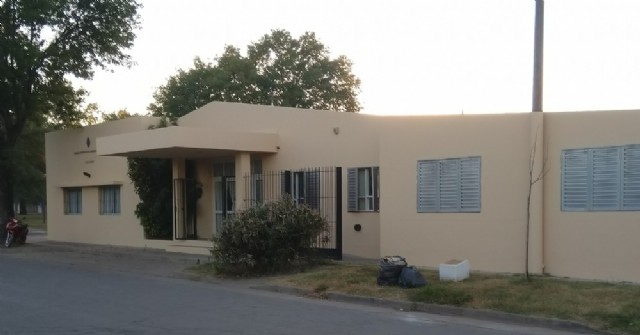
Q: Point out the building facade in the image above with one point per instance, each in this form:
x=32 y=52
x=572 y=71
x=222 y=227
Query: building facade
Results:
x=429 y=188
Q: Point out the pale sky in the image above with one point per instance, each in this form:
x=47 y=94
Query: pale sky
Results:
x=413 y=56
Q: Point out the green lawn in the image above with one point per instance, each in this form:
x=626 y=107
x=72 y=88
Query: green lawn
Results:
x=34 y=221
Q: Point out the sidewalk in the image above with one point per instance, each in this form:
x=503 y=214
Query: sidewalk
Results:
x=105 y=257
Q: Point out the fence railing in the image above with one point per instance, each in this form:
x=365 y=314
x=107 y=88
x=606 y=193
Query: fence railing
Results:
x=317 y=188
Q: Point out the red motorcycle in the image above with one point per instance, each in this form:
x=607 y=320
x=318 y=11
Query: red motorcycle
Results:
x=16 y=231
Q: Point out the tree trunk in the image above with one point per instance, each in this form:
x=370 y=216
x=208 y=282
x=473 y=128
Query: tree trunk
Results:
x=6 y=188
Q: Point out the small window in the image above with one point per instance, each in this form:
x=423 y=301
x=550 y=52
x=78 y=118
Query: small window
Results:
x=449 y=185
x=72 y=200
x=364 y=191
x=110 y=200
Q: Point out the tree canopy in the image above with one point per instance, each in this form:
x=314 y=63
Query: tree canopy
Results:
x=42 y=42
x=278 y=70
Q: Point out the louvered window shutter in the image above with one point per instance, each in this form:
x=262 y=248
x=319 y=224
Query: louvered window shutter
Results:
x=428 y=190
x=352 y=187
x=449 y=185
x=575 y=180
x=605 y=179
x=470 y=184
x=376 y=188
x=631 y=182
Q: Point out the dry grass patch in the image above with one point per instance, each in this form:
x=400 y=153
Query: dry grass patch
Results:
x=347 y=278
x=601 y=305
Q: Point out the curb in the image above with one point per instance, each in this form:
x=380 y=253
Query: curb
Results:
x=408 y=306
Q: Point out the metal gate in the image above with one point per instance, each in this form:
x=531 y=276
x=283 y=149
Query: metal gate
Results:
x=318 y=188
x=185 y=195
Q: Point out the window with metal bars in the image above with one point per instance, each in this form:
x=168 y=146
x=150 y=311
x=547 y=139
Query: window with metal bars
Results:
x=303 y=186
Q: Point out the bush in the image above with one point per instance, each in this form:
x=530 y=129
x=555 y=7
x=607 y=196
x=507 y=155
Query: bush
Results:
x=269 y=238
x=152 y=180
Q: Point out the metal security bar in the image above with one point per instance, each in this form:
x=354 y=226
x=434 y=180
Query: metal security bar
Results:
x=318 y=188
x=185 y=195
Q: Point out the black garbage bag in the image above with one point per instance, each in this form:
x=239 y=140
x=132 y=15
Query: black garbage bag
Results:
x=410 y=277
x=390 y=268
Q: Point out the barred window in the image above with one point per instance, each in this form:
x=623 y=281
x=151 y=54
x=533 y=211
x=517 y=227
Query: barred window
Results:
x=303 y=186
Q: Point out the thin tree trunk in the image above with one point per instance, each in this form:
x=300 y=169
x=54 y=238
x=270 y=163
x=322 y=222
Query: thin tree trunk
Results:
x=526 y=259
x=6 y=189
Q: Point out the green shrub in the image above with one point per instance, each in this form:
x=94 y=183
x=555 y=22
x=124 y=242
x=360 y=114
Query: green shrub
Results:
x=269 y=238
x=153 y=182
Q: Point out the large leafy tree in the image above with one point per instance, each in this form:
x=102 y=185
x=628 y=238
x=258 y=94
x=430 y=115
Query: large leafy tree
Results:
x=278 y=70
x=42 y=43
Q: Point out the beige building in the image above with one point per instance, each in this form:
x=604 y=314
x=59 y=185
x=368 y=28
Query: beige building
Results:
x=429 y=188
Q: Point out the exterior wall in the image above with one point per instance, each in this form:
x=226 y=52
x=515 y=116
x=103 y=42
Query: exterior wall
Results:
x=307 y=138
x=68 y=156
x=589 y=245
x=592 y=245
x=492 y=240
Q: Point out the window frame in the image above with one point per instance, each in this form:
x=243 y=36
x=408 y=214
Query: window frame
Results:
x=68 y=208
x=451 y=185
x=363 y=185
x=602 y=179
x=109 y=204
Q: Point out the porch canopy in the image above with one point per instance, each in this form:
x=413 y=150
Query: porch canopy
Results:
x=185 y=142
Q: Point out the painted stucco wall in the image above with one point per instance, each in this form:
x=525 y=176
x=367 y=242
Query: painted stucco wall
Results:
x=306 y=139
x=69 y=154
x=593 y=245
x=589 y=245
x=493 y=239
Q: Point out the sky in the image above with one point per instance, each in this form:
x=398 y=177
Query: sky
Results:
x=412 y=56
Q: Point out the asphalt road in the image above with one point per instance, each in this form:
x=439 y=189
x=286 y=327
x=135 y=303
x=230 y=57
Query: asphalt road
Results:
x=91 y=292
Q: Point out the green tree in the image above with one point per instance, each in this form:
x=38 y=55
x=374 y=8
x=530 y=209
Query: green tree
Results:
x=28 y=159
x=152 y=181
x=117 y=115
x=41 y=43
x=278 y=70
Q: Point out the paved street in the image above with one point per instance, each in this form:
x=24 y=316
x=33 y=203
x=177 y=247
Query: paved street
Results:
x=44 y=290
